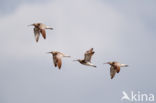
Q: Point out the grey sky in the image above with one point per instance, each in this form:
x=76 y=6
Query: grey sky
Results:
x=121 y=31
x=9 y=6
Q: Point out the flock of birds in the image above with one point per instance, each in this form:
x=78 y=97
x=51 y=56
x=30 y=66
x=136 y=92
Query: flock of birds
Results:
x=39 y=28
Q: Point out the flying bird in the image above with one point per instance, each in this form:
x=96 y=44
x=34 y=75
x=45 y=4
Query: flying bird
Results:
x=87 y=58
x=40 y=28
x=115 y=68
x=57 y=58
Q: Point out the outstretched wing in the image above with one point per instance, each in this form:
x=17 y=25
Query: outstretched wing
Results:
x=43 y=32
x=42 y=28
x=118 y=69
x=59 y=61
x=88 y=55
x=36 y=34
x=112 y=72
x=55 y=60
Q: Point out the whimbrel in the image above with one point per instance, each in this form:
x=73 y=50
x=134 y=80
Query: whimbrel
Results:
x=115 y=68
x=40 y=28
x=87 y=58
x=57 y=56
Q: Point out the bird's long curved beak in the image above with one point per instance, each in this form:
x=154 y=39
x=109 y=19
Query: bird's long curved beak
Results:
x=30 y=25
x=48 y=52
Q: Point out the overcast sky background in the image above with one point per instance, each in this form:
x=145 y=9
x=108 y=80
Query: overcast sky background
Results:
x=121 y=31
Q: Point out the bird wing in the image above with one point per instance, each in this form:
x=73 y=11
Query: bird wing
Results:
x=43 y=32
x=118 y=69
x=112 y=72
x=88 y=55
x=55 y=60
x=36 y=34
x=59 y=61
